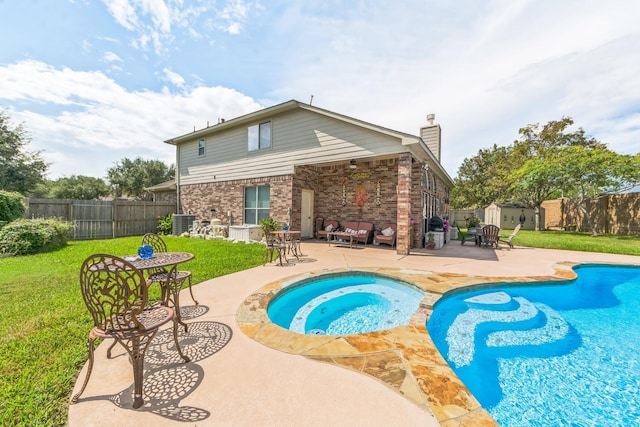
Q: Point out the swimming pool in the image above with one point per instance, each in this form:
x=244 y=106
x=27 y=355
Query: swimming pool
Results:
x=552 y=353
x=344 y=304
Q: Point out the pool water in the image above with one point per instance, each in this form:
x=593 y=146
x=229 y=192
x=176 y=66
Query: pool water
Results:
x=549 y=354
x=344 y=304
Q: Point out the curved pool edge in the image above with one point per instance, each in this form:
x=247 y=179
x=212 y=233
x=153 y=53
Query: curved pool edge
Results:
x=404 y=358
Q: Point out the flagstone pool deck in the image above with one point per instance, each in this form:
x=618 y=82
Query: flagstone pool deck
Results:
x=244 y=370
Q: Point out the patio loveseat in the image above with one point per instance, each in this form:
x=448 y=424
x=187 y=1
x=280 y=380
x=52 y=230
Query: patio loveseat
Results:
x=362 y=231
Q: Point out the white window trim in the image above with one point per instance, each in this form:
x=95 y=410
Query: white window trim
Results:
x=258 y=126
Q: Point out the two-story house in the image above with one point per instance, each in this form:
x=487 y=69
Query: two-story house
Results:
x=296 y=162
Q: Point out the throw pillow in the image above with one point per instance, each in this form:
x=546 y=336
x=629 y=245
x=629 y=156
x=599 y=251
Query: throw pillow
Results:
x=329 y=228
x=388 y=231
x=363 y=231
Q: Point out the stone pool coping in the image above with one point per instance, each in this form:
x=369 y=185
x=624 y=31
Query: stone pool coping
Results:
x=404 y=358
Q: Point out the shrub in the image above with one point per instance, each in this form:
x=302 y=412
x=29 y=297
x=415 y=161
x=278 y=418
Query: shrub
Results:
x=11 y=206
x=268 y=225
x=30 y=236
x=165 y=225
x=472 y=221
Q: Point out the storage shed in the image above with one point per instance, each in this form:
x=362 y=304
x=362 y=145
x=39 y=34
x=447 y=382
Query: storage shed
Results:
x=507 y=215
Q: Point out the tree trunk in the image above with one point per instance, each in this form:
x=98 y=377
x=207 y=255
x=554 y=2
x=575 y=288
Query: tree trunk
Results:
x=594 y=233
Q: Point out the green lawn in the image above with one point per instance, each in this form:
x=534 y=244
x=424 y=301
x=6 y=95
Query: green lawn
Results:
x=44 y=323
x=577 y=241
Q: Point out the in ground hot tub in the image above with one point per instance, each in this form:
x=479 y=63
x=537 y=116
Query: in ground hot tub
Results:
x=345 y=303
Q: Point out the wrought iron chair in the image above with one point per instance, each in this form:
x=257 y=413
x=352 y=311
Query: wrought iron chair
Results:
x=276 y=248
x=161 y=275
x=116 y=295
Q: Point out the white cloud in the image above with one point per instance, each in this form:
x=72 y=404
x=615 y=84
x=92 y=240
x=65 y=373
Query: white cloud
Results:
x=98 y=122
x=174 y=78
x=485 y=69
x=111 y=57
x=233 y=16
x=153 y=21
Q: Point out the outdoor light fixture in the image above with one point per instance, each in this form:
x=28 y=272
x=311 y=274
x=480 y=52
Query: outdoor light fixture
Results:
x=212 y=212
x=352 y=164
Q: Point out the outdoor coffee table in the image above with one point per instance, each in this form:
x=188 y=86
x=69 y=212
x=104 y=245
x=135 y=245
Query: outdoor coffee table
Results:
x=340 y=238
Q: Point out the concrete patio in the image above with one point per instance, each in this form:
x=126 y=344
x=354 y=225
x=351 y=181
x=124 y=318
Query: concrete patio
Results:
x=234 y=380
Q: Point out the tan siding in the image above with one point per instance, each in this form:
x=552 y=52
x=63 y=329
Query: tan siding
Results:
x=431 y=137
x=298 y=137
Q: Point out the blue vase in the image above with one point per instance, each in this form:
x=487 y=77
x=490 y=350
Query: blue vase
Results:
x=145 y=251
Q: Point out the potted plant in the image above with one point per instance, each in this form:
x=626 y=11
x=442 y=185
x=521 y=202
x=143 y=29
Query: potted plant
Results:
x=268 y=225
x=431 y=241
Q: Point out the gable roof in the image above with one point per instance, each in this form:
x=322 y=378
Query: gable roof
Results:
x=414 y=143
x=163 y=186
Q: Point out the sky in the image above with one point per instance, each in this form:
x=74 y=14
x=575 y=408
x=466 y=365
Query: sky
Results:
x=97 y=81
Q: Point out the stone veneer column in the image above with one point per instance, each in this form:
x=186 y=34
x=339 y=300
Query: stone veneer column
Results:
x=404 y=204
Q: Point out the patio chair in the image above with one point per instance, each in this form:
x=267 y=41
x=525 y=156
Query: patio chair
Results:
x=276 y=248
x=490 y=234
x=508 y=238
x=116 y=295
x=470 y=234
x=386 y=235
x=161 y=275
x=327 y=227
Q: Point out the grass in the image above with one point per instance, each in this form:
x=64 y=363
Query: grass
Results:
x=44 y=323
x=577 y=241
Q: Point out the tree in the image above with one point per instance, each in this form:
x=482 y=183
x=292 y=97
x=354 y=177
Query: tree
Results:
x=20 y=170
x=11 y=206
x=79 y=187
x=534 y=179
x=131 y=177
x=591 y=173
x=481 y=179
x=545 y=162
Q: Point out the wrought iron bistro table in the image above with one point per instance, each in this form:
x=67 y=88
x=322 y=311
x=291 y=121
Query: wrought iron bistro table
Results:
x=291 y=239
x=169 y=261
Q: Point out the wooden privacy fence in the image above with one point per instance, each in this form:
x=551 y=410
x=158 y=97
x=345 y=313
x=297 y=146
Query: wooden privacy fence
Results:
x=611 y=214
x=97 y=219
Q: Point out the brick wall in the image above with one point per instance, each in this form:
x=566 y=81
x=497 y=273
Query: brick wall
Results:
x=367 y=177
x=373 y=178
x=165 y=196
x=228 y=196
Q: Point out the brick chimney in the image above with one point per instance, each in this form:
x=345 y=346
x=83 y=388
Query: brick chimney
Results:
x=431 y=134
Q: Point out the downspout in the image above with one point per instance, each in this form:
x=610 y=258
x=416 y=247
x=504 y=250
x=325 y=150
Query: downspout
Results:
x=177 y=178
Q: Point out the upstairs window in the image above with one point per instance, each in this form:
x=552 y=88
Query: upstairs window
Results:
x=201 y=145
x=259 y=136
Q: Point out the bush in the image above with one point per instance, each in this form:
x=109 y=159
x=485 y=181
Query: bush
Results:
x=30 y=236
x=165 y=225
x=11 y=206
x=472 y=221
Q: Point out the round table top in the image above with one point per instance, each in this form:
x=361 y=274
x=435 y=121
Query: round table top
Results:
x=160 y=259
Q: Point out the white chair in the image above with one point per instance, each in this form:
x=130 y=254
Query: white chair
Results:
x=508 y=238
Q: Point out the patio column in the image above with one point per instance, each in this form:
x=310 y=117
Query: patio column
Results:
x=404 y=204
